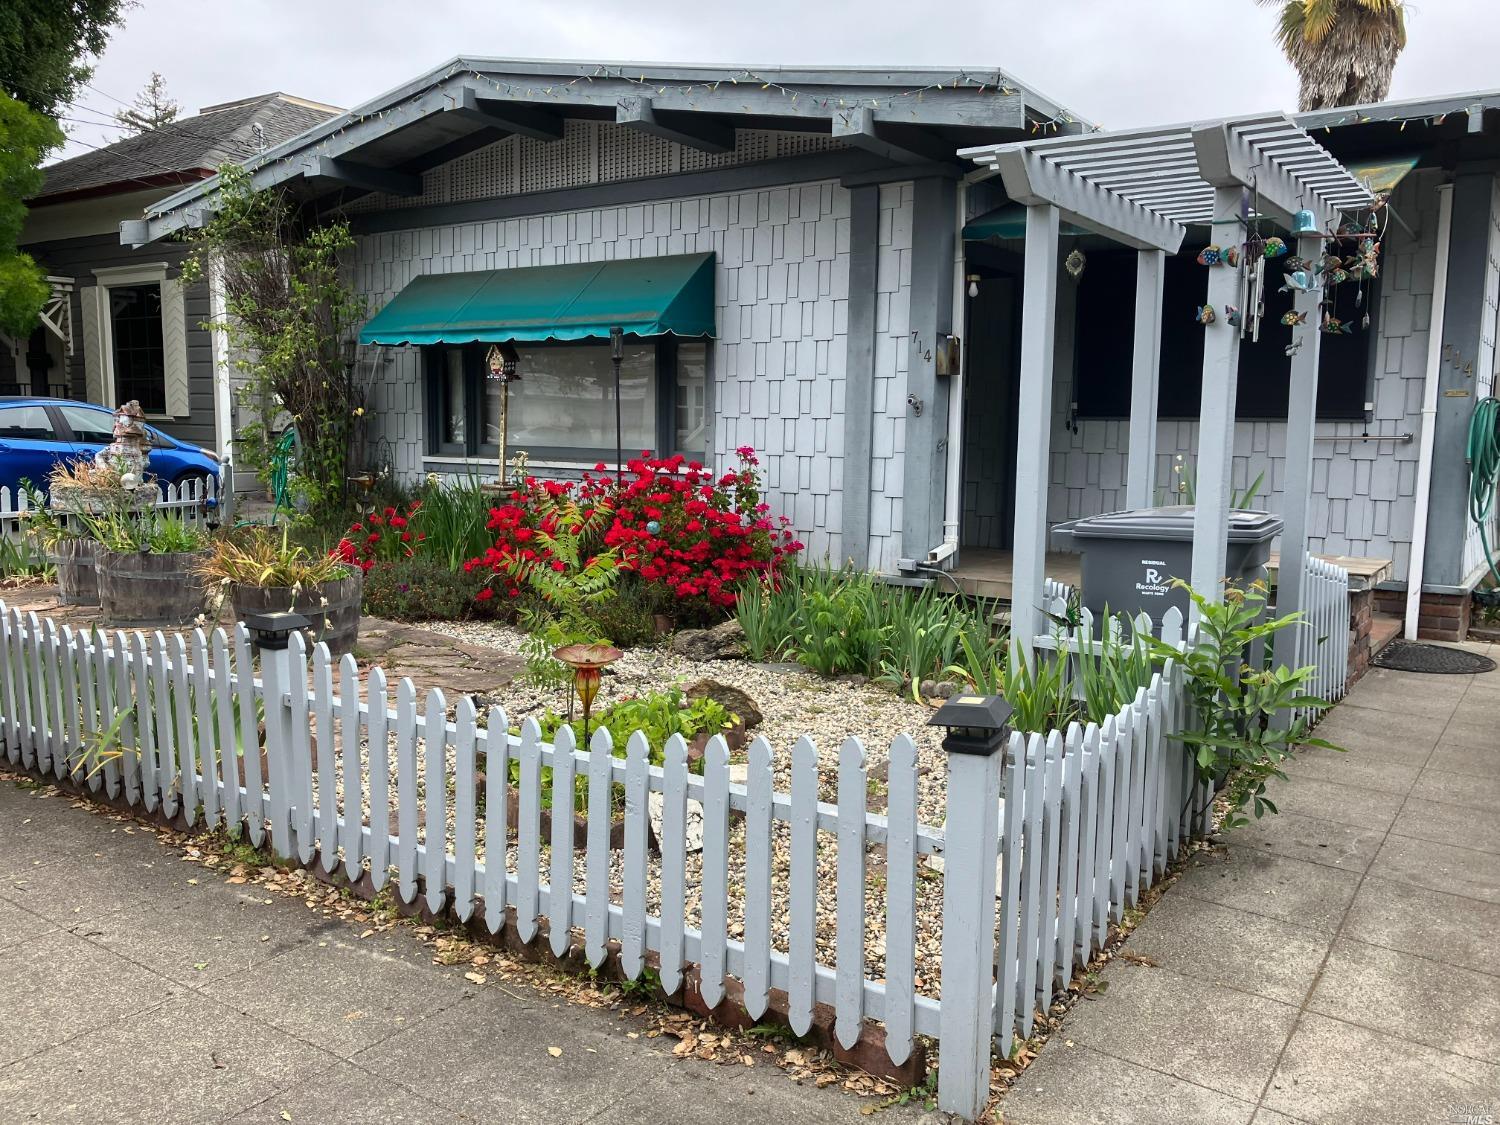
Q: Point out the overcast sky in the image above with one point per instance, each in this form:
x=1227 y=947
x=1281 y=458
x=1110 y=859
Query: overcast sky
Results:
x=1118 y=62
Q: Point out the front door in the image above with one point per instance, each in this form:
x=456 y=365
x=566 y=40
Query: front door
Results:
x=991 y=389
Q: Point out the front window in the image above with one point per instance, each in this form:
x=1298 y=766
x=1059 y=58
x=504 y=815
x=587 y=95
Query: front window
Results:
x=562 y=406
x=136 y=338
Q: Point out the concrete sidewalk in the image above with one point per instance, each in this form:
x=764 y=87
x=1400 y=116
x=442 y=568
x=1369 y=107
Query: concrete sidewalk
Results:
x=135 y=987
x=1337 y=963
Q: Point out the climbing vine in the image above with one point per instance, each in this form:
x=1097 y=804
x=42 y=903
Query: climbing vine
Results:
x=288 y=311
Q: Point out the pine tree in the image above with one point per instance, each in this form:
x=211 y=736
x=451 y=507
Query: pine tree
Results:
x=151 y=109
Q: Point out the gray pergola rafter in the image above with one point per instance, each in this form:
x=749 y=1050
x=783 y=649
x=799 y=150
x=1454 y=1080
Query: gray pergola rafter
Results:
x=1143 y=188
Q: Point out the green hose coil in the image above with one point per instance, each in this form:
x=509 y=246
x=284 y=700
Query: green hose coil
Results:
x=1484 y=472
x=281 y=472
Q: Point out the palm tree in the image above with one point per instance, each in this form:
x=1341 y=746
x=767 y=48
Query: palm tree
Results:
x=1343 y=50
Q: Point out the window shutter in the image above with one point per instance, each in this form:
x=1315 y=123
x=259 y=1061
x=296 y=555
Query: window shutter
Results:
x=174 y=346
x=93 y=347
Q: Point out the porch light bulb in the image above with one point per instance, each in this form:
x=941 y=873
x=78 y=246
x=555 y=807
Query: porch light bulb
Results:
x=973 y=288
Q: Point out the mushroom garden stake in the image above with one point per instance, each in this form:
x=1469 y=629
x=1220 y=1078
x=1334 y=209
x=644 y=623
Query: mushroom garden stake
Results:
x=588 y=663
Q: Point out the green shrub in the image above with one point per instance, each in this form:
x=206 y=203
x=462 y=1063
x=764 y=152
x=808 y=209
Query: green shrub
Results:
x=844 y=621
x=420 y=589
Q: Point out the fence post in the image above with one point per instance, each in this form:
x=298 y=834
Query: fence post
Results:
x=976 y=731
x=270 y=632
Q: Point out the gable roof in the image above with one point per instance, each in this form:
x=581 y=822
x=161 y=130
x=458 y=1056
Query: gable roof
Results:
x=891 y=115
x=185 y=150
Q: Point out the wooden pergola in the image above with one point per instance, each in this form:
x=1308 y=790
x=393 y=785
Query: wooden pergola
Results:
x=1142 y=188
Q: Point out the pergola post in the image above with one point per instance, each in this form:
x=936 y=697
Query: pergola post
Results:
x=1145 y=377
x=1221 y=358
x=1301 y=422
x=1034 y=424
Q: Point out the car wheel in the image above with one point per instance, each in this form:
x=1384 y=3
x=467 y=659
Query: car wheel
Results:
x=183 y=481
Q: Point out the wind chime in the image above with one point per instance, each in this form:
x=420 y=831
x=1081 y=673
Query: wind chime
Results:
x=1248 y=259
x=503 y=363
x=1351 y=255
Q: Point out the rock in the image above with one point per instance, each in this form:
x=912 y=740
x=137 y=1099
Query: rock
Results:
x=731 y=698
x=656 y=805
x=725 y=641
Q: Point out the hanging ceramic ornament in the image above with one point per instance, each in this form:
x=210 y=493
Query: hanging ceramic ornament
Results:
x=1074 y=264
x=1299 y=281
x=1230 y=256
x=1292 y=319
x=1336 y=327
x=1231 y=316
x=1206 y=314
x=1209 y=256
x=1275 y=247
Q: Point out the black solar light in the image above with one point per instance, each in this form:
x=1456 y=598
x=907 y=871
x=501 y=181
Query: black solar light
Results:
x=270 y=631
x=977 y=724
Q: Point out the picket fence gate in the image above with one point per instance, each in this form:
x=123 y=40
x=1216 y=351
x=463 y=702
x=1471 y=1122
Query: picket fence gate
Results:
x=1040 y=854
x=193 y=500
x=1323 y=632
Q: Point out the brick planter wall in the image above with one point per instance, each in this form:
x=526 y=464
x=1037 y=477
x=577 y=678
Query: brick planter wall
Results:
x=1361 y=620
x=1441 y=617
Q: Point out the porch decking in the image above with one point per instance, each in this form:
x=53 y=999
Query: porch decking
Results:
x=986 y=573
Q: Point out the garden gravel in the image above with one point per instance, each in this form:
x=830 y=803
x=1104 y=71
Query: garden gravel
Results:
x=794 y=703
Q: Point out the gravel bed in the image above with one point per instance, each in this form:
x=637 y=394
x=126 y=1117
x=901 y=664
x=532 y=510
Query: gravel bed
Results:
x=793 y=703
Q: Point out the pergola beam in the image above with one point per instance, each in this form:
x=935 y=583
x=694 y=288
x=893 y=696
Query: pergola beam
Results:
x=1032 y=180
x=639 y=113
x=1227 y=160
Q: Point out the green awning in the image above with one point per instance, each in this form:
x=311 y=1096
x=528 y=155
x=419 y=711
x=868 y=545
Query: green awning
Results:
x=644 y=296
x=1007 y=221
x=1382 y=176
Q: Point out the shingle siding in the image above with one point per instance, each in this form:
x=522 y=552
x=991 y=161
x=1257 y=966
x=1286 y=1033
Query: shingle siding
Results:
x=781 y=311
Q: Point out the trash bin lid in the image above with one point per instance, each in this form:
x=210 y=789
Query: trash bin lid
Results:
x=1173 y=523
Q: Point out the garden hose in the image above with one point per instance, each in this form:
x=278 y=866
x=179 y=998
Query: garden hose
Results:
x=281 y=472
x=1484 y=472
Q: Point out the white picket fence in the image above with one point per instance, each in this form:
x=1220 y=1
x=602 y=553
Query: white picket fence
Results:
x=1323 y=633
x=1067 y=831
x=192 y=500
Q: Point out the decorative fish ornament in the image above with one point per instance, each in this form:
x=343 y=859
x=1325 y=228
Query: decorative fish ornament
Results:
x=1293 y=319
x=1206 y=314
x=1209 y=256
x=1275 y=247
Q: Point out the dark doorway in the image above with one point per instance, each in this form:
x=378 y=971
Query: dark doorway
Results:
x=991 y=391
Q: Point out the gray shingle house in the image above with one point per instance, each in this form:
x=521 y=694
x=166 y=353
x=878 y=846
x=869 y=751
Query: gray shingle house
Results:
x=865 y=296
x=120 y=325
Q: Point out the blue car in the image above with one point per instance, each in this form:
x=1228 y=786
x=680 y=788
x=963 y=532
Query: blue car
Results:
x=37 y=433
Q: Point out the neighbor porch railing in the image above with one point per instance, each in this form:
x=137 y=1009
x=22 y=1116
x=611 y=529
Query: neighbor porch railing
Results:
x=1038 y=855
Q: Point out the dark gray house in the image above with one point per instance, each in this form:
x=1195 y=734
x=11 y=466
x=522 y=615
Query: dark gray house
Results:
x=865 y=301
x=120 y=325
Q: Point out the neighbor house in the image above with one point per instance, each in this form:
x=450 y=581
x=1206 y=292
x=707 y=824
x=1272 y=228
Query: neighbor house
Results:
x=120 y=325
x=802 y=262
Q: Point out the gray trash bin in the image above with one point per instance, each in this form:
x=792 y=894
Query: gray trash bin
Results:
x=1131 y=558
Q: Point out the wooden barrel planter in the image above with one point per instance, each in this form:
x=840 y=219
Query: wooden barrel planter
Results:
x=333 y=608
x=77 y=561
x=139 y=589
